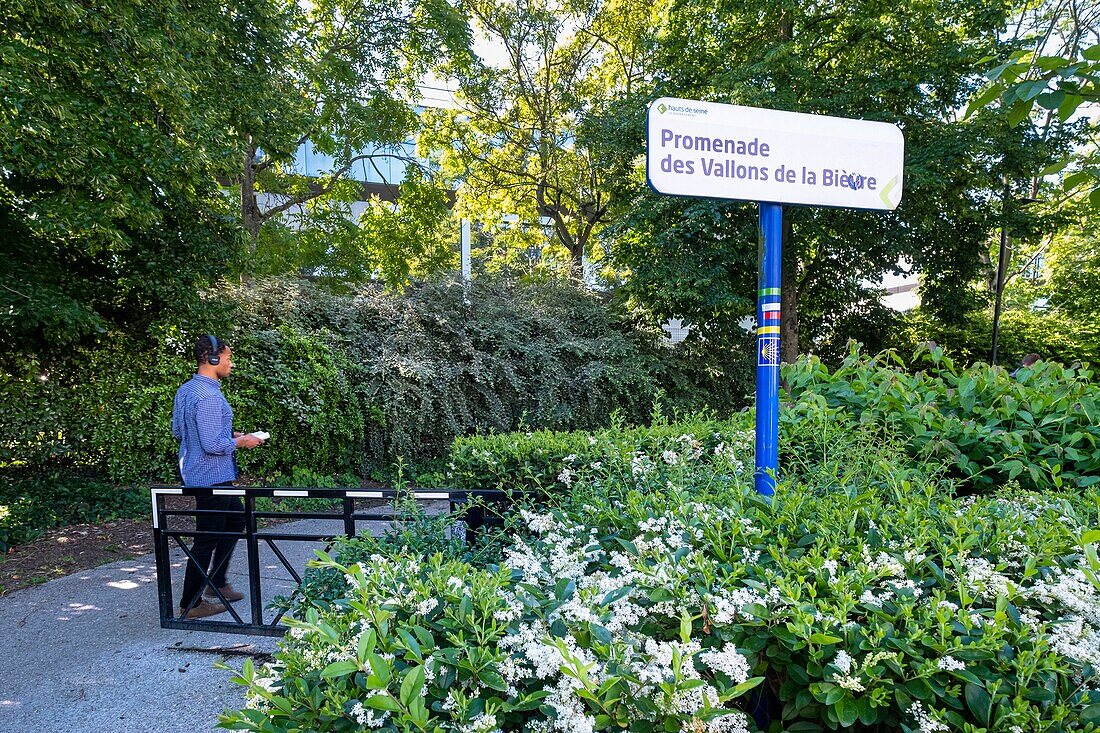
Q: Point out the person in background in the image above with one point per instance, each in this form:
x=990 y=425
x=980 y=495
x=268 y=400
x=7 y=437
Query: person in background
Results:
x=202 y=421
x=1026 y=363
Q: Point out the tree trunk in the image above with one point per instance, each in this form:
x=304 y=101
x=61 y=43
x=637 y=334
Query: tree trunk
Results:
x=789 y=342
x=250 y=209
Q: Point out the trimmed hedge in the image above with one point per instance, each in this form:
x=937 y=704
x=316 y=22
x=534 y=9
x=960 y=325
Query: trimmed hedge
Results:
x=548 y=461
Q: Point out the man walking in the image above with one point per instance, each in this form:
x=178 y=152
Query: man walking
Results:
x=202 y=421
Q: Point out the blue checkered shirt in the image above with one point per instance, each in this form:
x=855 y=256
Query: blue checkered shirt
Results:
x=203 y=423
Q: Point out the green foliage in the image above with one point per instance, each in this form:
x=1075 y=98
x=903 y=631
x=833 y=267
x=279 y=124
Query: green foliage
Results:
x=1073 y=269
x=346 y=382
x=910 y=65
x=117 y=124
x=414 y=533
x=510 y=144
x=1040 y=427
x=341 y=86
x=545 y=461
x=34 y=501
x=444 y=359
x=1053 y=334
x=295 y=385
x=395 y=243
x=863 y=596
x=1056 y=84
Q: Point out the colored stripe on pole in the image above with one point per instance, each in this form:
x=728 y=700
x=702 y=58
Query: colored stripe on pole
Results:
x=768 y=329
x=767 y=291
x=770 y=306
x=771 y=315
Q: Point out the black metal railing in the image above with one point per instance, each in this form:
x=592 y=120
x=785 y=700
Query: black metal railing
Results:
x=266 y=621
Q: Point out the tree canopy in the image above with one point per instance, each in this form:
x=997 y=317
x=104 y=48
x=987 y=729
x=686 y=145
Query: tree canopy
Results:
x=118 y=122
x=914 y=66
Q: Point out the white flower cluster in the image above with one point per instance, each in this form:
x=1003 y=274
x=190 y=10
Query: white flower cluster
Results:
x=924 y=721
x=727 y=606
x=983 y=578
x=567 y=476
x=729 y=662
x=484 y=723
x=690 y=447
x=368 y=717
x=610 y=591
x=641 y=465
x=950 y=664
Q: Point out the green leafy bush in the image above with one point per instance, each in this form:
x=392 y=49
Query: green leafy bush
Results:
x=866 y=600
x=345 y=381
x=298 y=387
x=415 y=533
x=1041 y=427
x=1053 y=335
x=444 y=359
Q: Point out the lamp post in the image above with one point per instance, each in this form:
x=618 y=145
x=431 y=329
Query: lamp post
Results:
x=1002 y=265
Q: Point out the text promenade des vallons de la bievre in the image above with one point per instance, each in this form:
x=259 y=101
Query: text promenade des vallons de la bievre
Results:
x=747 y=153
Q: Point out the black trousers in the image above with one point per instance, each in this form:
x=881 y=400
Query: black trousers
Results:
x=211 y=553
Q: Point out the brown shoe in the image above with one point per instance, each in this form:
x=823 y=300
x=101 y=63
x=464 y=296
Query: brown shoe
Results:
x=227 y=592
x=203 y=609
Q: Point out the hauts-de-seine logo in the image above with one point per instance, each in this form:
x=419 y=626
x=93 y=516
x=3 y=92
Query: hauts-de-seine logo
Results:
x=681 y=110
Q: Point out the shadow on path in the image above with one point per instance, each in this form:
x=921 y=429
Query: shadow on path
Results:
x=86 y=654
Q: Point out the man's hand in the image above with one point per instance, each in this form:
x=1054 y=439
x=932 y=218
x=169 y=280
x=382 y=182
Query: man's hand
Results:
x=247 y=441
x=237 y=434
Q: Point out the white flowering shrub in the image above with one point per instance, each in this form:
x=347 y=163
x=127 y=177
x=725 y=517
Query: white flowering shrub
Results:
x=689 y=603
x=442 y=645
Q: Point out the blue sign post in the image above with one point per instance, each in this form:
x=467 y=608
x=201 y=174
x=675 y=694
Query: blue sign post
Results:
x=768 y=308
x=696 y=148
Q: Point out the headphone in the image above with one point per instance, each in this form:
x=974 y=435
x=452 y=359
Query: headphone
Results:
x=214 y=357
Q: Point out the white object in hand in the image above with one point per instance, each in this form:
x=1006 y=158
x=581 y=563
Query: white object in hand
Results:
x=261 y=435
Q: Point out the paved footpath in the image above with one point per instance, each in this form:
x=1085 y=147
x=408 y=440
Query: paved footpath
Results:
x=86 y=654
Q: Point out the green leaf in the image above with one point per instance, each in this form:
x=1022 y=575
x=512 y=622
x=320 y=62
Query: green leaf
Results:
x=978 y=700
x=412 y=684
x=616 y=594
x=600 y=633
x=1018 y=113
x=366 y=645
x=685 y=626
x=339 y=669
x=741 y=688
x=824 y=639
x=564 y=589
x=847 y=711
x=383 y=702
x=1051 y=100
x=380 y=667
x=1091 y=714
x=986 y=96
x=492 y=678
x=410 y=643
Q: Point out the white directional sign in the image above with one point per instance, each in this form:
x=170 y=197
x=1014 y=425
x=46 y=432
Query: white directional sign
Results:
x=752 y=154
